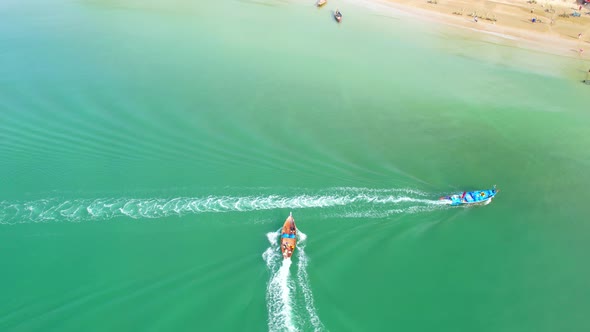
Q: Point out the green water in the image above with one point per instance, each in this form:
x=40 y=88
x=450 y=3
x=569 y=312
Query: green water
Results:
x=149 y=151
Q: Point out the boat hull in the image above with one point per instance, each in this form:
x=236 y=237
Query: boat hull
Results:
x=288 y=237
x=476 y=197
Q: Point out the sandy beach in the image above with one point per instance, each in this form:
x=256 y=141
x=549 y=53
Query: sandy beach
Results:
x=556 y=29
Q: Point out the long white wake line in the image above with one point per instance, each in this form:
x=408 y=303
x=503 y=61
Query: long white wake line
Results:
x=278 y=291
x=304 y=285
x=47 y=210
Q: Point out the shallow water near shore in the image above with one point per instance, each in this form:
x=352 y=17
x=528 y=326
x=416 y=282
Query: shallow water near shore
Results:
x=151 y=151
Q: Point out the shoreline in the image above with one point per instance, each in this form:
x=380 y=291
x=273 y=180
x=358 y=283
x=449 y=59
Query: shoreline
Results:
x=513 y=22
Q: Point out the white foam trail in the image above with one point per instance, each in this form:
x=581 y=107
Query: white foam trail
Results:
x=304 y=285
x=301 y=237
x=55 y=209
x=278 y=291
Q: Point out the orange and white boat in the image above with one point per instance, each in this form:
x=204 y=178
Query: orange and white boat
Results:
x=288 y=237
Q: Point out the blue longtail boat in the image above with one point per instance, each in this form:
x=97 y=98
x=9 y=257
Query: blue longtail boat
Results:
x=471 y=197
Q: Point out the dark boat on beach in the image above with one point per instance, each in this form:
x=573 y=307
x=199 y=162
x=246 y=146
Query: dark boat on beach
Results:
x=338 y=16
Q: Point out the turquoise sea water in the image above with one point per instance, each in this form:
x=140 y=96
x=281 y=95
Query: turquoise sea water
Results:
x=150 y=151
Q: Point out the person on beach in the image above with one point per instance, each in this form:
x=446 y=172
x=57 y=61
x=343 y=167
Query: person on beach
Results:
x=580 y=35
x=475 y=19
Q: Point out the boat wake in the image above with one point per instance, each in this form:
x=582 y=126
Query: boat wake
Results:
x=285 y=294
x=278 y=290
x=351 y=201
x=303 y=282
